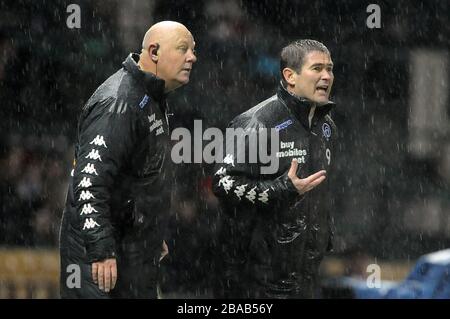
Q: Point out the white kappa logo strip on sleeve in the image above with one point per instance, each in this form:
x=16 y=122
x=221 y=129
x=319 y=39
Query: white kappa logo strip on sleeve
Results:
x=88 y=209
x=226 y=182
x=99 y=141
x=85 y=195
x=90 y=223
x=85 y=182
x=94 y=155
x=90 y=169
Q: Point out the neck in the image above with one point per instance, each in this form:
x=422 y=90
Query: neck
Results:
x=146 y=65
x=311 y=114
x=291 y=91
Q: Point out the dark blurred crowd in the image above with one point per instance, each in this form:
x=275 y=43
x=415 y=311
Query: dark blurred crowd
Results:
x=47 y=72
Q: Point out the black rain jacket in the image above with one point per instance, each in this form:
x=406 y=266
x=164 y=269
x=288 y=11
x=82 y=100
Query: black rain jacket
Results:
x=119 y=191
x=272 y=238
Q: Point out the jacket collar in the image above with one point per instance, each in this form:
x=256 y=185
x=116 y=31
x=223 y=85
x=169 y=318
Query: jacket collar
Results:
x=153 y=85
x=300 y=106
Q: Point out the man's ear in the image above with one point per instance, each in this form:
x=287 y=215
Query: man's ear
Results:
x=153 y=51
x=289 y=77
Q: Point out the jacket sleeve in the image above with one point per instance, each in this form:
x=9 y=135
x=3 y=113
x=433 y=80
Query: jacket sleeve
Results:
x=243 y=184
x=105 y=142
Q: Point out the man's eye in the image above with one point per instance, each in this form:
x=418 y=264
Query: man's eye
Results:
x=184 y=49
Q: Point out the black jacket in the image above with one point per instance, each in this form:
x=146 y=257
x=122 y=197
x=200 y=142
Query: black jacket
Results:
x=118 y=198
x=273 y=238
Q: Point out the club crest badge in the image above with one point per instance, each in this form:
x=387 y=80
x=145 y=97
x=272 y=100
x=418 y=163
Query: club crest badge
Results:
x=326 y=130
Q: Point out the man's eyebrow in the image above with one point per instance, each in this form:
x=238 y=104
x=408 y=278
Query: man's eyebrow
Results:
x=322 y=64
x=184 y=41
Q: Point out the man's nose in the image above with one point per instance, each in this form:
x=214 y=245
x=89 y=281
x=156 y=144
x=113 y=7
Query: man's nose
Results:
x=192 y=58
x=326 y=75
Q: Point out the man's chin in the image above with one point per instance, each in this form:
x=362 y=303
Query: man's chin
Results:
x=184 y=80
x=176 y=84
x=321 y=100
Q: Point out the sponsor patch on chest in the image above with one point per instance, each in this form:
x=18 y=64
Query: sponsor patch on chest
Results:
x=155 y=124
x=288 y=149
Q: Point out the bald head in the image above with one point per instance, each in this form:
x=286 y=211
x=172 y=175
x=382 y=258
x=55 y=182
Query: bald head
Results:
x=168 y=52
x=161 y=31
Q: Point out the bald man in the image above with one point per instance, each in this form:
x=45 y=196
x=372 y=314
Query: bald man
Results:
x=118 y=198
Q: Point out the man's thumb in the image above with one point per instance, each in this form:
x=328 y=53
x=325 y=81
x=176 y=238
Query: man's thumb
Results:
x=293 y=169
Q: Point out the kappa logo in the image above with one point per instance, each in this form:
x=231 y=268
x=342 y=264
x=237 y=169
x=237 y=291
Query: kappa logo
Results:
x=144 y=101
x=240 y=191
x=99 y=141
x=221 y=171
x=264 y=197
x=229 y=159
x=85 y=182
x=226 y=182
x=89 y=169
x=87 y=209
x=90 y=223
x=283 y=125
x=251 y=195
x=326 y=130
x=93 y=154
x=85 y=195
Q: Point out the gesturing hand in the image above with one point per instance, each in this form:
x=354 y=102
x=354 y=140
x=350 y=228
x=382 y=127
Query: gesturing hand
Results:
x=304 y=185
x=104 y=273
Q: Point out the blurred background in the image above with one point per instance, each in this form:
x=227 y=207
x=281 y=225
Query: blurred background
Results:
x=392 y=180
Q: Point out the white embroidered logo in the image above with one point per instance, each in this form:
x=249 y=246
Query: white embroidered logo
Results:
x=85 y=195
x=229 y=159
x=226 y=182
x=222 y=171
x=87 y=209
x=159 y=131
x=240 y=191
x=85 y=182
x=251 y=195
x=155 y=124
x=93 y=154
x=264 y=197
x=99 y=141
x=90 y=223
x=89 y=169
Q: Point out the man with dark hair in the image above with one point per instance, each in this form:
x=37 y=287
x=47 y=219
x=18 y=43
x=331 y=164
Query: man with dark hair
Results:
x=277 y=225
x=118 y=199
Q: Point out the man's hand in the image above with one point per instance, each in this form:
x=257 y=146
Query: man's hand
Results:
x=164 y=250
x=104 y=273
x=306 y=184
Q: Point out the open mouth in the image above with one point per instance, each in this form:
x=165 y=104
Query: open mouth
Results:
x=322 y=88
